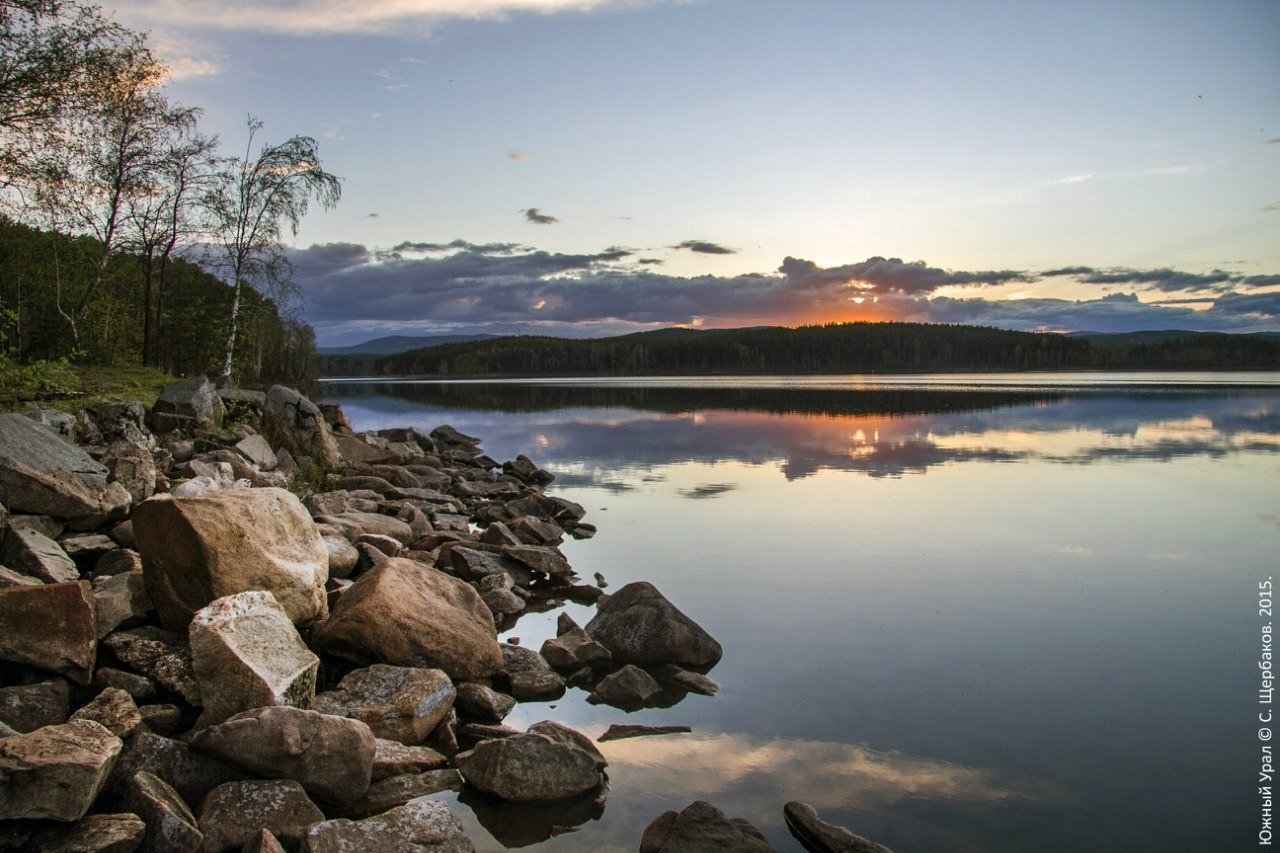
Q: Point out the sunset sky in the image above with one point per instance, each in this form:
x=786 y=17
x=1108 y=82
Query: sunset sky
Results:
x=582 y=167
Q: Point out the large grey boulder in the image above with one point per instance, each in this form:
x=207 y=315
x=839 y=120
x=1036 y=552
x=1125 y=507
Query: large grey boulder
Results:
x=331 y=757
x=529 y=768
x=701 y=828
x=408 y=614
x=419 y=825
x=44 y=475
x=232 y=815
x=190 y=404
x=55 y=772
x=638 y=625
x=247 y=654
x=822 y=837
x=291 y=421
x=50 y=626
x=198 y=549
x=32 y=553
x=403 y=704
x=171 y=827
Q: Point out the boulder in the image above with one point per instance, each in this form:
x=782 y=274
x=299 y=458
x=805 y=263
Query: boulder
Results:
x=27 y=707
x=398 y=790
x=232 y=815
x=247 y=654
x=43 y=524
x=263 y=842
x=331 y=757
x=60 y=422
x=391 y=758
x=291 y=421
x=161 y=719
x=529 y=675
x=190 y=404
x=342 y=556
x=408 y=614
x=42 y=474
x=119 y=600
x=478 y=702
x=34 y=554
x=118 y=562
x=630 y=688
x=571 y=738
x=55 y=772
x=422 y=824
x=139 y=687
x=9 y=578
x=398 y=703
x=355 y=449
x=536 y=531
x=541 y=558
x=638 y=625
x=573 y=649
x=529 y=768
x=256 y=449
x=701 y=828
x=50 y=626
x=196 y=550
x=373 y=522
x=96 y=833
x=163 y=656
x=188 y=772
x=171 y=827
x=124 y=421
x=87 y=546
x=822 y=837
x=133 y=467
x=114 y=710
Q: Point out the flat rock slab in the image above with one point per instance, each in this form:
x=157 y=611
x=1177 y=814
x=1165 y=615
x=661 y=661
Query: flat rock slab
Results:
x=233 y=814
x=114 y=710
x=198 y=549
x=620 y=732
x=529 y=768
x=822 y=837
x=55 y=772
x=397 y=703
x=420 y=825
x=98 y=833
x=247 y=654
x=638 y=625
x=392 y=758
x=701 y=828
x=170 y=824
x=398 y=790
x=32 y=553
x=44 y=475
x=406 y=613
x=51 y=627
x=120 y=600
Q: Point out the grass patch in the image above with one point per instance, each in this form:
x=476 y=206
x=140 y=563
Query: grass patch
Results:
x=59 y=385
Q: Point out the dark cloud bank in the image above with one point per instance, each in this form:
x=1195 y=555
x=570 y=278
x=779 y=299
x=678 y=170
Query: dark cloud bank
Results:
x=353 y=292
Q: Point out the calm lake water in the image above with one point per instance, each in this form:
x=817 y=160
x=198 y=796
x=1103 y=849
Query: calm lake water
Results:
x=962 y=613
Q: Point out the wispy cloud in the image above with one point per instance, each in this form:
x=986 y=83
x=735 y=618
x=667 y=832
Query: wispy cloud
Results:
x=517 y=156
x=702 y=247
x=1270 y=208
x=413 y=60
x=313 y=17
x=537 y=217
x=1073 y=179
x=391 y=82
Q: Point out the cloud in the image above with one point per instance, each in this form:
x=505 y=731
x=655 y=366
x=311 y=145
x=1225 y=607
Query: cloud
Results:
x=890 y=275
x=1270 y=208
x=412 y=60
x=1164 y=280
x=651 y=261
x=537 y=217
x=405 y=18
x=1275 y=141
x=517 y=156
x=702 y=247
x=391 y=82
x=1073 y=179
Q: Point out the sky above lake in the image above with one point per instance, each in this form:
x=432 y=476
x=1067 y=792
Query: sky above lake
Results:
x=583 y=167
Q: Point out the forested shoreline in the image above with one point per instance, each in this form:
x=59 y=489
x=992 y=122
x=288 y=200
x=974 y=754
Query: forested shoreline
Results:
x=831 y=348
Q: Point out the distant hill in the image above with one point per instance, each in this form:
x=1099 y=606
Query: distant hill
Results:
x=833 y=348
x=392 y=344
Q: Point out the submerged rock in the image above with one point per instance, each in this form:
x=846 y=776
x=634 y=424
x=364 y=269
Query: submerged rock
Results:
x=529 y=768
x=822 y=837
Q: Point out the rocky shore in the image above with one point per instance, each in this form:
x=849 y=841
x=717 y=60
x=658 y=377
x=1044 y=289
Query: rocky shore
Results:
x=232 y=622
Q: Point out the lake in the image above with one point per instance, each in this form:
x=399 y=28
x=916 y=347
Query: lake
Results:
x=967 y=613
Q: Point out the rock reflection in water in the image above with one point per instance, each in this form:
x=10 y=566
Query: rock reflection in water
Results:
x=521 y=824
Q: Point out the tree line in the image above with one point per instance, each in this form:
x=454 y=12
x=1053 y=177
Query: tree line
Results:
x=126 y=235
x=830 y=348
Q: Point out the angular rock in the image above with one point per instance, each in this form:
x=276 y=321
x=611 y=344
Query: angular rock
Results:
x=114 y=710
x=60 y=422
x=392 y=758
x=482 y=703
x=118 y=562
x=629 y=688
x=822 y=837
x=331 y=757
x=171 y=827
x=9 y=578
x=40 y=473
x=233 y=814
x=246 y=654
x=701 y=828
x=55 y=772
x=529 y=675
x=50 y=626
x=474 y=564
x=419 y=825
x=161 y=719
x=398 y=703
x=571 y=738
x=398 y=790
x=186 y=405
x=622 y=732
x=256 y=449
x=373 y=522
x=326 y=503
x=354 y=449
x=638 y=625
x=139 y=687
x=385 y=544
x=134 y=468
x=32 y=553
x=499 y=534
x=263 y=842
x=86 y=545
x=573 y=649
x=163 y=656
x=541 y=558
x=97 y=833
x=120 y=600
x=536 y=531
x=188 y=772
x=565 y=624
x=408 y=614
x=291 y=421
x=196 y=550
x=677 y=676
x=528 y=768
x=27 y=707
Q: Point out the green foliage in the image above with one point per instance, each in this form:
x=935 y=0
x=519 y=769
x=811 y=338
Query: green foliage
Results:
x=313 y=478
x=39 y=380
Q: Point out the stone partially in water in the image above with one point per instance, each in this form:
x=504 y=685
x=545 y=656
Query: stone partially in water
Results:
x=529 y=768
x=421 y=824
x=638 y=625
x=822 y=837
x=701 y=828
